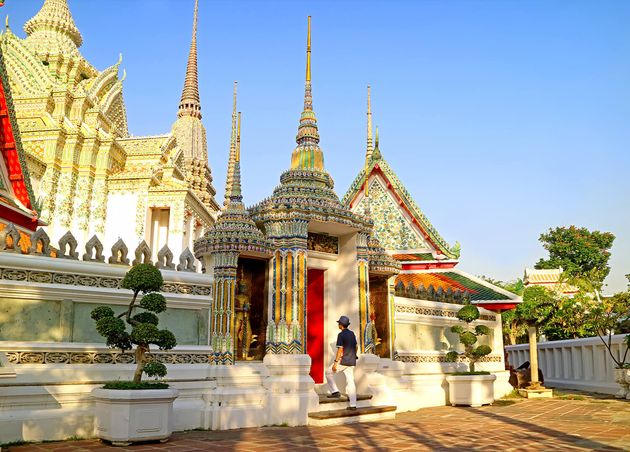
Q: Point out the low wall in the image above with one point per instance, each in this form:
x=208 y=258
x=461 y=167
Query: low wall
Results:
x=582 y=364
x=43 y=299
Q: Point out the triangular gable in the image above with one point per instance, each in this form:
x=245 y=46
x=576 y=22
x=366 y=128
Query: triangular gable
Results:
x=16 y=196
x=391 y=204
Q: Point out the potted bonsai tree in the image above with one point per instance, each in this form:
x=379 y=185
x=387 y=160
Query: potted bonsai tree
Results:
x=136 y=410
x=472 y=388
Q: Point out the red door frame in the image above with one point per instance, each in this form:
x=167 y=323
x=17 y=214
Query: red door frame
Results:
x=315 y=323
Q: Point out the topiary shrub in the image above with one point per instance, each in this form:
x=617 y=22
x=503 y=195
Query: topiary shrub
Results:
x=145 y=280
x=469 y=313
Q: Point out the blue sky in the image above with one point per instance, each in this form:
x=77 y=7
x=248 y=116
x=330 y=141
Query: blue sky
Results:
x=503 y=118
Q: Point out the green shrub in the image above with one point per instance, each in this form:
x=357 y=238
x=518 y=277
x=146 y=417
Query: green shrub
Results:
x=147 y=280
x=146 y=317
x=143 y=278
x=133 y=385
x=469 y=313
x=155 y=369
x=153 y=302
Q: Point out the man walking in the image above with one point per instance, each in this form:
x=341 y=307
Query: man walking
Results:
x=345 y=361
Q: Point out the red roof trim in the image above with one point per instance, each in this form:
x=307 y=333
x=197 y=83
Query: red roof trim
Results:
x=496 y=307
x=18 y=218
x=428 y=265
x=9 y=152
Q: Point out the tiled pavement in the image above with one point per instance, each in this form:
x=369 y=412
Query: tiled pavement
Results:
x=509 y=425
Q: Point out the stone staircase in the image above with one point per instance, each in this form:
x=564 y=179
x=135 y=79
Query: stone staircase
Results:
x=333 y=411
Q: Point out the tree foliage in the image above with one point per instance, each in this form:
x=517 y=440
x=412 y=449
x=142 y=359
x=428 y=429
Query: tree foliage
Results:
x=578 y=251
x=140 y=279
x=469 y=313
x=611 y=315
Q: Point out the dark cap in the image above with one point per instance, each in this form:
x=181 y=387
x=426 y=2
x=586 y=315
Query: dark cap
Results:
x=343 y=321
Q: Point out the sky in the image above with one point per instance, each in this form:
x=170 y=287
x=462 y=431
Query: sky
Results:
x=502 y=118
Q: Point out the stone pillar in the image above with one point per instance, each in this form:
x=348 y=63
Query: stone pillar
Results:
x=533 y=356
x=366 y=342
x=98 y=209
x=391 y=296
x=222 y=315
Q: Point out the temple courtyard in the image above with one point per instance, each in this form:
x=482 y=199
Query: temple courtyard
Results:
x=568 y=422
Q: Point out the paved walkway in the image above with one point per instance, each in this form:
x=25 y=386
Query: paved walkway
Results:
x=509 y=425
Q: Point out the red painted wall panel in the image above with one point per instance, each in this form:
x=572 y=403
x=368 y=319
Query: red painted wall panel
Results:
x=315 y=323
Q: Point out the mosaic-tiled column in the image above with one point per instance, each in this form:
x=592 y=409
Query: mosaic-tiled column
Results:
x=367 y=339
x=287 y=320
x=222 y=315
x=391 y=296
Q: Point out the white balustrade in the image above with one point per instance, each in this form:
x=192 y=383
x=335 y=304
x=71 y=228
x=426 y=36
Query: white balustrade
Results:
x=582 y=364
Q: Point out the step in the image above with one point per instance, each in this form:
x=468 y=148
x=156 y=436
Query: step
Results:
x=331 y=403
x=344 y=416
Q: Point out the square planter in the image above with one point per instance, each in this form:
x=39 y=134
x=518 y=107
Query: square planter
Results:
x=472 y=390
x=125 y=416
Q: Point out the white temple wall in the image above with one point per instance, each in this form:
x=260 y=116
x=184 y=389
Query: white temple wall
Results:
x=422 y=340
x=121 y=219
x=341 y=290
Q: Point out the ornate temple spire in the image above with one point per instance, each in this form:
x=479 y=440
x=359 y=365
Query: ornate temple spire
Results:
x=232 y=156
x=307 y=154
x=190 y=104
x=370 y=145
x=234 y=193
x=52 y=22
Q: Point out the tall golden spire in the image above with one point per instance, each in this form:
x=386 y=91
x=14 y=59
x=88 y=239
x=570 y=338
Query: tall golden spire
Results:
x=238 y=140
x=370 y=146
x=307 y=154
x=235 y=188
x=54 y=19
x=308 y=51
x=190 y=104
x=232 y=156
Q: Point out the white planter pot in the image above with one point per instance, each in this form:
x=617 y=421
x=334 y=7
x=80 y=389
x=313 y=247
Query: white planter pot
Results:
x=620 y=379
x=473 y=390
x=626 y=374
x=125 y=416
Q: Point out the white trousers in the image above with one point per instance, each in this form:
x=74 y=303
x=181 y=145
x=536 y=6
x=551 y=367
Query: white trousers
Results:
x=351 y=389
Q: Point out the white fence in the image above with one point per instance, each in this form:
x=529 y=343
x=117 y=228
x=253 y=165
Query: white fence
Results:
x=582 y=364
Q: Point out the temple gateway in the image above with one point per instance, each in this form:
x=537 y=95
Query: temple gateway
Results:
x=253 y=292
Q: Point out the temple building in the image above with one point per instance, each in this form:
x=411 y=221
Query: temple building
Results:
x=427 y=278
x=254 y=309
x=86 y=170
x=549 y=278
x=17 y=203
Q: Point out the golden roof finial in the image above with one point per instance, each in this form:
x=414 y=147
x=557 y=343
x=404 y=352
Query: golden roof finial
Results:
x=377 y=152
x=308 y=51
x=6 y=22
x=190 y=104
x=238 y=139
x=370 y=145
x=124 y=75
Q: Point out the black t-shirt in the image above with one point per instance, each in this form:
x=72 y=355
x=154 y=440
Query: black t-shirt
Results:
x=348 y=341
